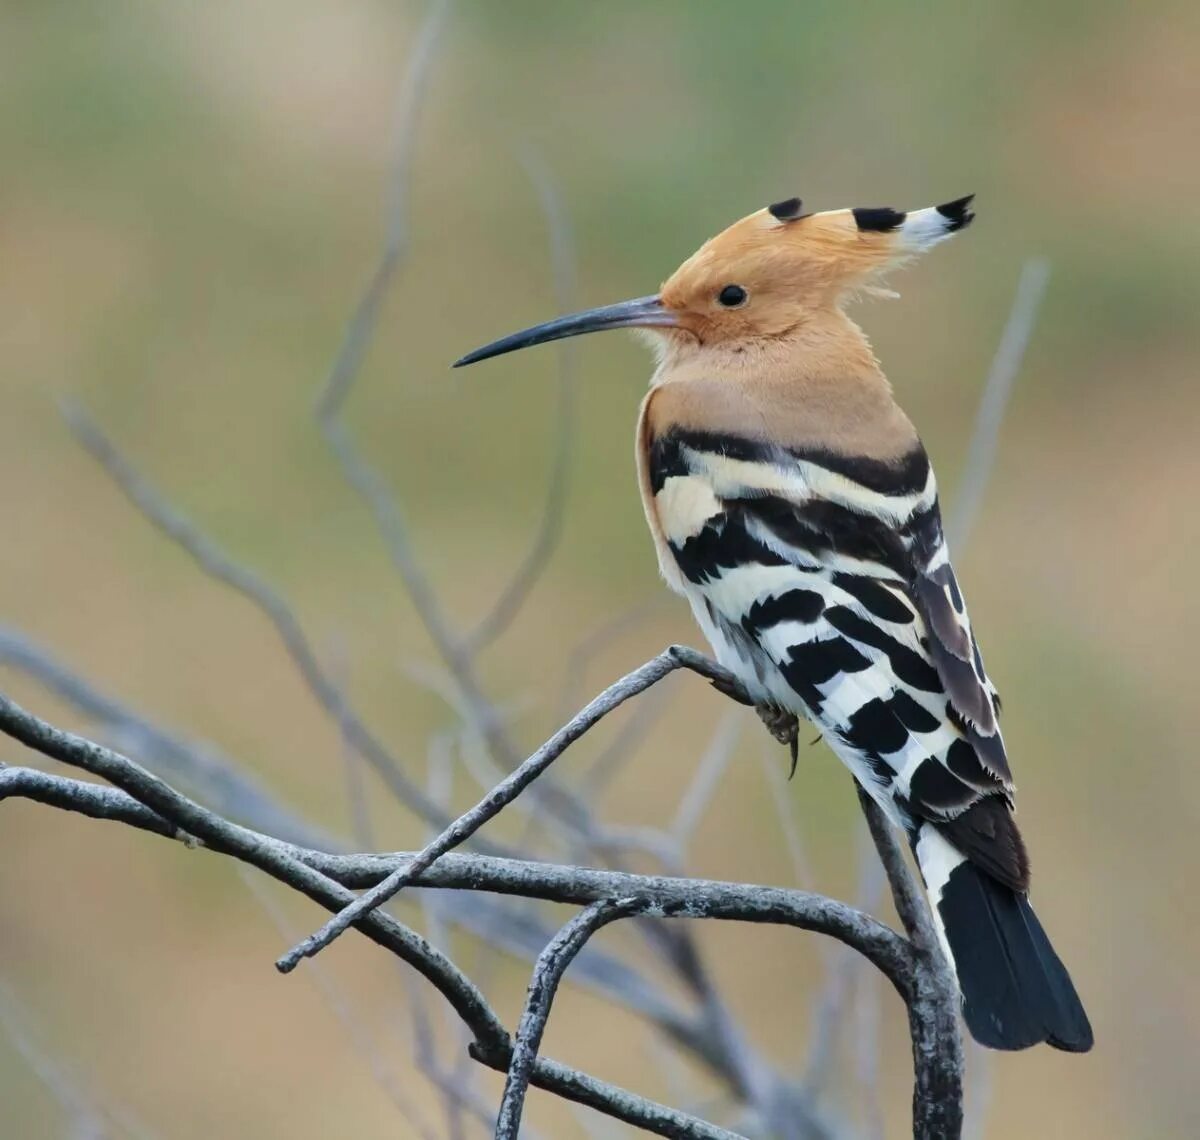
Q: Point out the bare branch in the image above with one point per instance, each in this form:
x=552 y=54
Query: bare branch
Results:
x=933 y=1001
x=614 y=1102
x=491 y=1044
x=307 y=871
x=366 y=314
x=357 y=1033
x=562 y=257
x=217 y=564
x=457 y=655
x=549 y=882
x=267 y=854
x=588 y=648
x=548 y=971
x=1006 y=365
x=711 y=1038
x=509 y=788
x=141 y=800
x=198 y=765
x=705 y=779
x=93 y=800
x=518 y=934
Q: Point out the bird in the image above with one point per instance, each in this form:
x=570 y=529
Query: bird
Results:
x=793 y=505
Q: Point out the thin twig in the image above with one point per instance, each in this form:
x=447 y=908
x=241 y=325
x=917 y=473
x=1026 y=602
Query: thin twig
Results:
x=617 y=1103
x=365 y=480
x=217 y=564
x=700 y=790
x=360 y=1037
x=199 y=765
x=624 y=745
x=457 y=654
x=454 y=871
x=548 y=971
x=491 y=1045
x=1006 y=365
x=514 y=932
x=585 y=651
x=507 y=790
x=563 y=262
x=410 y=103
x=829 y=1018
x=771 y=757
x=456 y=1086
x=907 y=895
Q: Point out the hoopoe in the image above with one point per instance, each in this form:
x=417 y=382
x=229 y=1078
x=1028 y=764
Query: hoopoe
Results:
x=793 y=505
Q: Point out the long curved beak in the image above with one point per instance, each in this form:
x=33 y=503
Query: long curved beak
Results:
x=644 y=312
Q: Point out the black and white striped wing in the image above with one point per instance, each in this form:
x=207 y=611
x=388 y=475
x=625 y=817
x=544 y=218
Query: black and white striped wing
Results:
x=823 y=582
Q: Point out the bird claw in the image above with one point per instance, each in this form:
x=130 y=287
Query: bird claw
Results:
x=785 y=727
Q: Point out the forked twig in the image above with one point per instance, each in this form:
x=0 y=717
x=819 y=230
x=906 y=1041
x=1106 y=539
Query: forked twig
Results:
x=548 y=971
x=676 y=657
x=324 y=878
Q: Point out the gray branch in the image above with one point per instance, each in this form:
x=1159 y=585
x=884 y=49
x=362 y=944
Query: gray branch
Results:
x=676 y=657
x=219 y=565
x=198 y=765
x=491 y=1043
x=299 y=856
x=548 y=971
x=140 y=799
x=932 y=998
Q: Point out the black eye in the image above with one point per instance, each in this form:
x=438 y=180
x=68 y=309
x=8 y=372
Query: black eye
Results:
x=732 y=296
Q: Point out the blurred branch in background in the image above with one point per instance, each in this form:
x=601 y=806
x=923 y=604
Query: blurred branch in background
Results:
x=997 y=390
x=921 y=978
x=86 y=1117
x=562 y=260
x=138 y=798
x=249 y=824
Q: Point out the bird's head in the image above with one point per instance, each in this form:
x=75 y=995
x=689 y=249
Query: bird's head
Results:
x=766 y=275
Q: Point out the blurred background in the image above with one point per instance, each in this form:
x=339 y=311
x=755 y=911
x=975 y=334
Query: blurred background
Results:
x=193 y=198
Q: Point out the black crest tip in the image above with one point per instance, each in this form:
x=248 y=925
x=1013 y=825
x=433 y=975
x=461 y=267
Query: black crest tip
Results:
x=877 y=219
x=958 y=213
x=786 y=211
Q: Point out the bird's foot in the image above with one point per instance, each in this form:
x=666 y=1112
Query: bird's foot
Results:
x=785 y=727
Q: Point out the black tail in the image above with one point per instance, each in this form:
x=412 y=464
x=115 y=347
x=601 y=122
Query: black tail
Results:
x=1016 y=993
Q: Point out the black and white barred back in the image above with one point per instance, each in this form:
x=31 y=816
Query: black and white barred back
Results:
x=823 y=581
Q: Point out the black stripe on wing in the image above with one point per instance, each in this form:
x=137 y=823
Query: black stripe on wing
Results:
x=819 y=526
x=905 y=475
x=967 y=796
x=908 y=666
x=667 y=460
x=799 y=605
x=880 y=600
x=724 y=543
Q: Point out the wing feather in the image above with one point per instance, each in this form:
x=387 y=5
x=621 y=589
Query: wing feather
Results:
x=843 y=595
